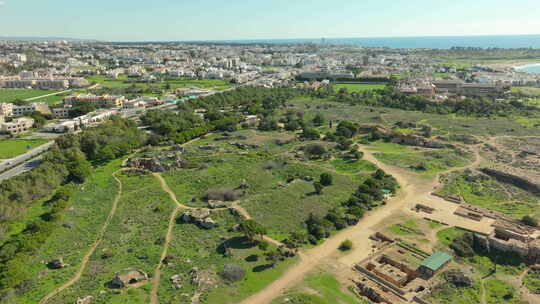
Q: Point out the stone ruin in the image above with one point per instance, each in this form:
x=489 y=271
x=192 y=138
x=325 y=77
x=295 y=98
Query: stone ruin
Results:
x=160 y=163
x=418 y=141
x=84 y=300
x=200 y=217
x=176 y=281
x=127 y=277
x=203 y=279
x=242 y=146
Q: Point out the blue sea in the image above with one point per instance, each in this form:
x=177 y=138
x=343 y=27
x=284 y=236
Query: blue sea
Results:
x=431 y=42
x=531 y=68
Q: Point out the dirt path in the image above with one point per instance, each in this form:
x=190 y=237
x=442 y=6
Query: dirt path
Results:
x=87 y=256
x=168 y=236
x=483 y=295
x=179 y=206
x=313 y=257
x=414 y=189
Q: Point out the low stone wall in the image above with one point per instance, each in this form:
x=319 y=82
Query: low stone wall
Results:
x=517 y=181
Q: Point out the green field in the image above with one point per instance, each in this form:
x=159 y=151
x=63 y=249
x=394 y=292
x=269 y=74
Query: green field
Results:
x=8 y=95
x=425 y=162
x=279 y=205
x=123 y=81
x=528 y=91
x=319 y=289
x=358 y=87
x=10 y=148
x=443 y=124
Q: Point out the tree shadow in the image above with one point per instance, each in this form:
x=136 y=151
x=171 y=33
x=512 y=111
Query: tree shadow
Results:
x=261 y=268
x=237 y=242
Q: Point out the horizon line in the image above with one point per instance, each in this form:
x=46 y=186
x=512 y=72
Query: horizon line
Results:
x=259 y=39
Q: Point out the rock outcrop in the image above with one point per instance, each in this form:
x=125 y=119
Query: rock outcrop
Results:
x=158 y=163
x=200 y=217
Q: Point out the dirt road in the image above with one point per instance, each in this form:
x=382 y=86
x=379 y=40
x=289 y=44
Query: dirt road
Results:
x=92 y=248
x=414 y=189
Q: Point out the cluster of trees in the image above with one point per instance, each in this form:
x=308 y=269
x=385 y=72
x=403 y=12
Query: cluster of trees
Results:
x=68 y=162
x=391 y=98
x=223 y=113
x=178 y=127
x=20 y=248
x=371 y=191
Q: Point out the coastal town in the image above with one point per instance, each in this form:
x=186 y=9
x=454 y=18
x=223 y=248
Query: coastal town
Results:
x=268 y=173
x=124 y=79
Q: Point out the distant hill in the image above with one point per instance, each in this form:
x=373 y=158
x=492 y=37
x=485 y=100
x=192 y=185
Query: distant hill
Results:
x=8 y=38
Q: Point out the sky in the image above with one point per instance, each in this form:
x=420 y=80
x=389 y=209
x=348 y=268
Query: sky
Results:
x=181 y=20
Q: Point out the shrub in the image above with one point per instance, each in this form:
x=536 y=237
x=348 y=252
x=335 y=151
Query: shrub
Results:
x=263 y=245
x=227 y=195
x=326 y=179
x=233 y=272
x=318 y=187
x=311 y=134
x=315 y=150
x=346 y=245
x=529 y=221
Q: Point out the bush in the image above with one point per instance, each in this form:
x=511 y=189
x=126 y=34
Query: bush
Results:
x=233 y=272
x=263 y=245
x=315 y=150
x=529 y=221
x=346 y=245
x=226 y=195
x=318 y=188
x=326 y=179
x=311 y=134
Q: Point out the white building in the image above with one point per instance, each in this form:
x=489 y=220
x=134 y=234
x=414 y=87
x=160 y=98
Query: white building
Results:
x=6 y=109
x=16 y=126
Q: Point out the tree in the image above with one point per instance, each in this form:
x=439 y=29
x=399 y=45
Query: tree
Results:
x=529 y=221
x=319 y=119
x=252 y=229
x=326 y=179
x=318 y=188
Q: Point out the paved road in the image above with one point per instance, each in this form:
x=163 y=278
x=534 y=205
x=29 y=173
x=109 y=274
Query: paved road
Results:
x=25 y=167
x=17 y=161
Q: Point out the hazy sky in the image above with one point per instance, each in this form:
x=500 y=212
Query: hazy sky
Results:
x=129 y=20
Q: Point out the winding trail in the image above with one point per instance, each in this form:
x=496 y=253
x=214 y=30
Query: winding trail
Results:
x=179 y=206
x=92 y=248
x=168 y=237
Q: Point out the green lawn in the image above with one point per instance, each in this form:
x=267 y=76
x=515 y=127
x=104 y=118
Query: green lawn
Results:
x=352 y=167
x=9 y=95
x=10 y=148
x=358 y=87
x=448 y=235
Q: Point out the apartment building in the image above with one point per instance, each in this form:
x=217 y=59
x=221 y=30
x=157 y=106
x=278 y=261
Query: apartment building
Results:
x=16 y=126
x=6 y=109
x=104 y=101
x=40 y=107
